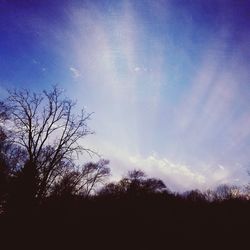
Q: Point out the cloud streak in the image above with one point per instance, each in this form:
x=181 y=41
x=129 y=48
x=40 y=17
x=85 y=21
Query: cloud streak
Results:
x=200 y=120
x=75 y=72
x=160 y=78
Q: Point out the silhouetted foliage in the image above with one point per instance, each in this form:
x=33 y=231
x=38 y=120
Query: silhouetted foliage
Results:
x=46 y=128
x=135 y=184
x=195 y=196
x=45 y=197
x=83 y=181
x=3 y=167
x=226 y=192
x=3 y=112
x=11 y=158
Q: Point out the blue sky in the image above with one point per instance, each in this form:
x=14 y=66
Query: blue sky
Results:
x=168 y=81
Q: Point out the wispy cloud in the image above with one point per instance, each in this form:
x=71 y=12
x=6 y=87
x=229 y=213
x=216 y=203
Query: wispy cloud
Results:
x=75 y=72
x=177 y=175
x=166 y=85
x=180 y=176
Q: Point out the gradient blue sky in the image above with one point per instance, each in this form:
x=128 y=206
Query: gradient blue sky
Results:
x=168 y=81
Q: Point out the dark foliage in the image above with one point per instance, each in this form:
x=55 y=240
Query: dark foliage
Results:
x=78 y=209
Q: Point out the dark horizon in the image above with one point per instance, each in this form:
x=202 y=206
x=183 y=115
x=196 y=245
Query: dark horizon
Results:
x=124 y=124
x=47 y=198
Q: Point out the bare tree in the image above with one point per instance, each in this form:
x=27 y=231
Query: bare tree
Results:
x=83 y=181
x=135 y=183
x=93 y=175
x=45 y=126
x=10 y=156
x=3 y=112
x=195 y=195
x=3 y=118
x=227 y=192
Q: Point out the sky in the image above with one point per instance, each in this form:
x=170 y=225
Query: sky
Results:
x=168 y=80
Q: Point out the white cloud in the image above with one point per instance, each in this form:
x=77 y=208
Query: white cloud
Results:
x=137 y=69
x=221 y=167
x=178 y=176
x=206 y=125
x=141 y=69
x=75 y=72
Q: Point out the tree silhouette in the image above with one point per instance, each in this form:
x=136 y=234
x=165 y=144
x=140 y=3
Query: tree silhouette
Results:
x=45 y=127
x=82 y=181
x=226 y=192
x=195 y=196
x=3 y=168
x=134 y=184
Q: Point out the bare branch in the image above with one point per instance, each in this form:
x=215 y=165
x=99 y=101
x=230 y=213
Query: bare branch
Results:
x=46 y=127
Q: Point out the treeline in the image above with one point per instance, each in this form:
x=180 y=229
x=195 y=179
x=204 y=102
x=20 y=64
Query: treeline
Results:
x=39 y=141
x=46 y=197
